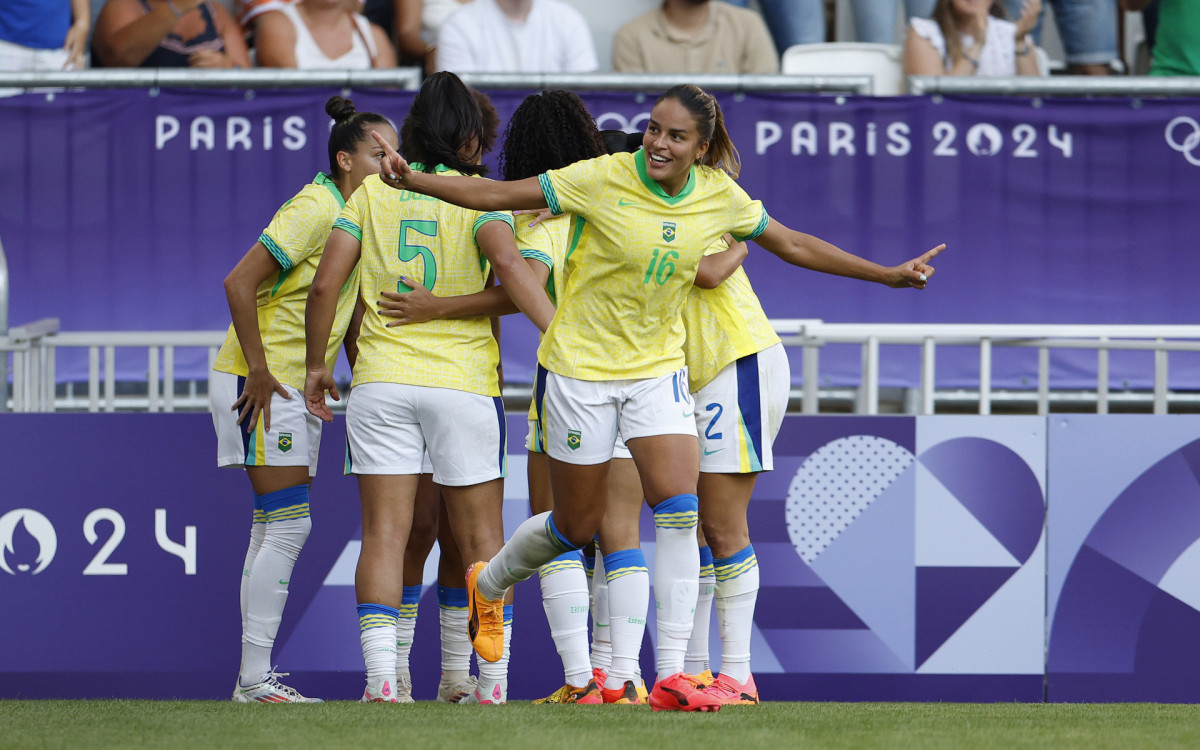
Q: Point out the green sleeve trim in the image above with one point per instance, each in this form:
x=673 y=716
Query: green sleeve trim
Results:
x=538 y=255
x=275 y=250
x=493 y=216
x=349 y=227
x=763 y=221
x=550 y=195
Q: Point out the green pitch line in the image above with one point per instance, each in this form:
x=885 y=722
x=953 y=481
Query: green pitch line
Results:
x=521 y=726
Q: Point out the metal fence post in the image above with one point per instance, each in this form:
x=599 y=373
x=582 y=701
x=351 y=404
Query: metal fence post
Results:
x=3 y=329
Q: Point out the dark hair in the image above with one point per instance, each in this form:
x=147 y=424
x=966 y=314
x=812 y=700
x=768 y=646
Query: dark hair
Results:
x=443 y=119
x=350 y=128
x=491 y=121
x=618 y=141
x=710 y=124
x=548 y=131
x=943 y=13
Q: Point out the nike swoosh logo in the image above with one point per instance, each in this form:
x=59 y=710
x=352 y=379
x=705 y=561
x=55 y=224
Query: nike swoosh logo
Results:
x=687 y=414
x=283 y=582
x=624 y=203
x=709 y=453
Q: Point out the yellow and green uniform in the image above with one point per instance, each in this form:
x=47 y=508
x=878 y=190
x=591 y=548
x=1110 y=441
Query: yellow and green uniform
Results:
x=295 y=238
x=546 y=243
x=632 y=260
x=723 y=325
x=430 y=242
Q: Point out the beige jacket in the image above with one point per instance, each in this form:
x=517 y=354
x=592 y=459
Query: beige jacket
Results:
x=735 y=40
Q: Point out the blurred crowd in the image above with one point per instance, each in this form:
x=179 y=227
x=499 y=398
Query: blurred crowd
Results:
x=939 y=37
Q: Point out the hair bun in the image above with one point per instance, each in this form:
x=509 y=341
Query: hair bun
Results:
x=339 y=108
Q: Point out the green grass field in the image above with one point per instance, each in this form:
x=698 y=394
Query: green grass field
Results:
x=953 y=726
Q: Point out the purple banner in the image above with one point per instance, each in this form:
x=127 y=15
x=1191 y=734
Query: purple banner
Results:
x=123 y=210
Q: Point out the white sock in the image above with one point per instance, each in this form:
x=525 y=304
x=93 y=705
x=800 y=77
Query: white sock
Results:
x=267 y=592
x=456 y=643
x=534 y=543
x=377 y=635
x=565 y=599
x=696 y=658
x=406 y=627
x=737 y=592
x=601 y=638
x=628 y=597
x=495 y=673
x=676 y=579
x=258 y=531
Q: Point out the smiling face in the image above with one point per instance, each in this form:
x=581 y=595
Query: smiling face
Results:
x=673 y=144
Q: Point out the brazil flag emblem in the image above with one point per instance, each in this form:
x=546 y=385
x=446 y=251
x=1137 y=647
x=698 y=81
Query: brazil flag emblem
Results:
x=668 y=231
x=285 y=442
x=573 y=439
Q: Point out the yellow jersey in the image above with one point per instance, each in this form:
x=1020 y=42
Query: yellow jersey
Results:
x=430 y=242
x=722 y=326
x=632 y=263
x=547 y=243
x=295 y=238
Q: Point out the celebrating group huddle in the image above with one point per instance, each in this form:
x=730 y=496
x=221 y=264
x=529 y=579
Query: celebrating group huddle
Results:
x=659 y=378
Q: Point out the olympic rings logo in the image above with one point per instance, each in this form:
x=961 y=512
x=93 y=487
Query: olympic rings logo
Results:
x=1189 y=144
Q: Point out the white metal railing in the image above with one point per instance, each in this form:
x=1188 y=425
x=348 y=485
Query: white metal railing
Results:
x=34 y=349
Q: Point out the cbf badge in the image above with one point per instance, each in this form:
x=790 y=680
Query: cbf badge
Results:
x=573 y=439
x=668 y=231
x=285 y=442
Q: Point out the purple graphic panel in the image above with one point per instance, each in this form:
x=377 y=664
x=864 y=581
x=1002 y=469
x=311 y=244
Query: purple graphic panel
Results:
x=147 y=199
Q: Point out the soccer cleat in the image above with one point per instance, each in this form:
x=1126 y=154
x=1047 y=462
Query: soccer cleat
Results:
x=587 y=695
x=379 y=691
x=497 y=695
x=681 y=692
x=626 y=695
x=732 y=693
x=270 y=690
x=705 y=678
x=485 y=621
x=456 y=692
x=404 y=688
x=599 y=675
x=642 y=692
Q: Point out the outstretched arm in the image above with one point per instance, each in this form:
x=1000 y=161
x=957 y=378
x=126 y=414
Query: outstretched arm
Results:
x=468 y=192
x=816 y=254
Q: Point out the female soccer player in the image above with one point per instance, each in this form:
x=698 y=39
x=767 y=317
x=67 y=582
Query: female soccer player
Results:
x=612 y=360
x=261 y=365
x=435 y=384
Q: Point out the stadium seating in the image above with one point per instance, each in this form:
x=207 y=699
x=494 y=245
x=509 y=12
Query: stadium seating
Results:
x=884 y=62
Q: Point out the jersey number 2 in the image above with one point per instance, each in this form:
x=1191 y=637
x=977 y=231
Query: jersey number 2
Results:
x=409 y=252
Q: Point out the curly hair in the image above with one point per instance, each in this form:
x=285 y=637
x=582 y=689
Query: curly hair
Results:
x=548 y=131
x=444 y=119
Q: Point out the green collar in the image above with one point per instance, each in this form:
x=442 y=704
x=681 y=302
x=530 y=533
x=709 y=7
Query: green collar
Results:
x=327 y=181
x=639 y=159
x=419 y=167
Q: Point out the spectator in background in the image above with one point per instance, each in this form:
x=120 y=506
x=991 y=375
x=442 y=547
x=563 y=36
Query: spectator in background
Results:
x=168 y=34
x=414 y=25
x=971 y=37
x=695 y=36
x=315 y=34
x=1088 y=29
x=516 y=36
x=1176 y=50
x=803 y=21
x=38 y=35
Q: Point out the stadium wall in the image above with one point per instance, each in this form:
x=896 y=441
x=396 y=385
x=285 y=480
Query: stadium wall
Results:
x=902 y=558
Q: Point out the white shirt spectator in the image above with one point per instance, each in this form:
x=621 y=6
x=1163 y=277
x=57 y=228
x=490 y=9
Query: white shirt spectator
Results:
x=480 y=38
x=309 y=56
x=999 y=55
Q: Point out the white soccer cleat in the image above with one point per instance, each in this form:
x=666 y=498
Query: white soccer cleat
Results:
x=270 y=690
x=484 y=695
x=381 y=691
x=457 y=692
x=404 y=688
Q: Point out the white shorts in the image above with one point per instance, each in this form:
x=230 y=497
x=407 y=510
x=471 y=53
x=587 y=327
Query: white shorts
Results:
x=294 y=439
x=533 y=442
x=740 y=412
x=583 y=419
x=389 y=426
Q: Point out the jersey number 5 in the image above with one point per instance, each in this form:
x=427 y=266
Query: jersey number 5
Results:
x=409 y=252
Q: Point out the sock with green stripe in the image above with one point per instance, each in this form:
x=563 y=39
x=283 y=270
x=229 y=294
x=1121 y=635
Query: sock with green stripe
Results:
x=676 y=579
x=456 y=644
x=737 y=593
x=565 y=599
x=285 y=531
x=628 y=597
x=406 y=627
x=377 y=635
